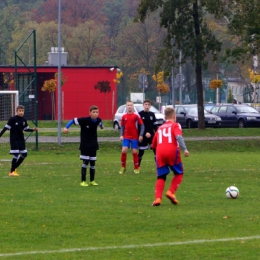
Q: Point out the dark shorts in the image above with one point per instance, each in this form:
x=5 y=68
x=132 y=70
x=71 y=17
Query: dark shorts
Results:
x=18 y=147
x=88 y=155
x=144 y=145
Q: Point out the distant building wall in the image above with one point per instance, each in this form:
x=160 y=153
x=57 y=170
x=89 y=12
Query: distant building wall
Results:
x=78 y=93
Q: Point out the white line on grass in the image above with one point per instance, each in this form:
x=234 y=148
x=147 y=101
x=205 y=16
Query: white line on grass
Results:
x=129 y=246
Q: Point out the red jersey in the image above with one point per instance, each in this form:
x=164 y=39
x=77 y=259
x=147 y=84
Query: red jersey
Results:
x=165 y=143
x=130 y=122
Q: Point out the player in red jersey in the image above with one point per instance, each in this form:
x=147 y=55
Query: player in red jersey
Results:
x=129 y=135
x=166 y=142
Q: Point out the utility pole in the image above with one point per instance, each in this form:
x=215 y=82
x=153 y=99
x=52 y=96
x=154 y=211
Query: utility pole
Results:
x=181 y=78
x=59 y=74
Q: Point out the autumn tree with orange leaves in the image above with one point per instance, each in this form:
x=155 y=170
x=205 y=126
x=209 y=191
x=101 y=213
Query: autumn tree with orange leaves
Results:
x=51 y=86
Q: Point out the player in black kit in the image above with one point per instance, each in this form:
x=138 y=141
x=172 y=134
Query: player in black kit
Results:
x=150 y=126
x=88 y=142
x=17 y=124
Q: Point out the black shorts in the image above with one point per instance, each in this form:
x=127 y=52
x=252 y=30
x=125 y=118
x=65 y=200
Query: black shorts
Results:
x=88 y=155
x=17 y=146
x=144 y=145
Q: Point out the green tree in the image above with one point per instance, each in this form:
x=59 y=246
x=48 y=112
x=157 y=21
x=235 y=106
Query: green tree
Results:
x=138 y=46
x=187 y=30
x=230 y=96
x=244 y=27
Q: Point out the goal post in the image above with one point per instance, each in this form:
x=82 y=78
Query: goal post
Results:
x=9 y=100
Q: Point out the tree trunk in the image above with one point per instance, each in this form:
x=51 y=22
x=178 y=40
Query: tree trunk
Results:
x=52 y=106
x=198 y=70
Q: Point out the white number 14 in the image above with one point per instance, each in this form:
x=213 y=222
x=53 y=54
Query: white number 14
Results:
x=166 y=132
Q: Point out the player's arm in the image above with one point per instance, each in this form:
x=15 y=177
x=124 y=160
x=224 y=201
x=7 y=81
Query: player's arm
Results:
x=141 y=132
x=27 y=129
x=8 y=126
x=101 y=124
x=182 y=144
x=122 y=131
x=3 y=130
x=66 y=128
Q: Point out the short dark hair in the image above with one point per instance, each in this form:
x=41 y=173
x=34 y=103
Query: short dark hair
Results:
x=20 y=107
x=93 y=108
x=148 y=101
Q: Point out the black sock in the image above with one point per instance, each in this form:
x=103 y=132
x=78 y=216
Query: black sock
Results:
x=13 y=164
x=83 y=174
x=92 y=174
x=140 y=156
x=92 y=170
x=19 y=161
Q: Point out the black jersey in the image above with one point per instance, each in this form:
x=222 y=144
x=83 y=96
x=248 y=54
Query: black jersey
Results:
x=149 y=120
x=88 y=132
x=17 y=125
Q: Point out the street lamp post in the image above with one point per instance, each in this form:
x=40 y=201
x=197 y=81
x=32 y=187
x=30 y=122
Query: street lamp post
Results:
x=59 y=73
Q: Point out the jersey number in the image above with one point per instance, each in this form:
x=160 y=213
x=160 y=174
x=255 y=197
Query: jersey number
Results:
x=166 y=132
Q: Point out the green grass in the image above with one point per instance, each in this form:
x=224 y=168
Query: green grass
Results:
x=46 y=209
x=215 y=132
x=54 y=123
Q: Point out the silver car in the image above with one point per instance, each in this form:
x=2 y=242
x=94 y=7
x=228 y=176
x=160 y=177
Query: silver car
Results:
x=138 y=107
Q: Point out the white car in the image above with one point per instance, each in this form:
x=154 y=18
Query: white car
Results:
x=138 y=107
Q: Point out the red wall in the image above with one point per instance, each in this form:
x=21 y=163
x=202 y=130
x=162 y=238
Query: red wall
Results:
x=78 y=93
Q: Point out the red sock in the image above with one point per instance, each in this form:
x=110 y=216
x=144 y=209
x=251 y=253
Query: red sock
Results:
x=159 y=187
x=136 y=160
x=123 y=160
x=176 y=181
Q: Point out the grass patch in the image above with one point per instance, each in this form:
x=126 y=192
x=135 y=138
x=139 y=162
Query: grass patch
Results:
x=46 y=209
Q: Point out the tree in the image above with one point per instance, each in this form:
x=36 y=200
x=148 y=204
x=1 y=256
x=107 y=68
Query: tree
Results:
x=245 y=29
x=138 y=46
x=188 y=31
x=103 y=87
x=73 y=12
x=51 y=86
x=87 y=44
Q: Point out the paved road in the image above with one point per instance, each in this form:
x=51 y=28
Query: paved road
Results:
x=46 y=139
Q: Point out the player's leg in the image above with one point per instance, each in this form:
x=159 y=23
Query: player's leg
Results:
x=85 y=161
x=175 y=183
x=142 y=147
x=92 y=161
x=20 y=159
x=140 y=156
x=125 y=146
x=13 y=165
x=159 y=187
x=134 y=145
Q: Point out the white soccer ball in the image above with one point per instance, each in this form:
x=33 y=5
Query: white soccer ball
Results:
x=232 y=192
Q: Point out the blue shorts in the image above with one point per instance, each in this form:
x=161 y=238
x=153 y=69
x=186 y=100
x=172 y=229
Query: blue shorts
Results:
x=177 y=169
x=130 y=143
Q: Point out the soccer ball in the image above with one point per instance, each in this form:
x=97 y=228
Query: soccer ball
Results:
x=232 y=192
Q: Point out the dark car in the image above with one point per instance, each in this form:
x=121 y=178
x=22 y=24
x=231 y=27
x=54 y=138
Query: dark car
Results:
x=208 y=106
x=237 y=115
x=187 y=116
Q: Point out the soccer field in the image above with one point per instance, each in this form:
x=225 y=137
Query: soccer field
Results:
x=46 y=214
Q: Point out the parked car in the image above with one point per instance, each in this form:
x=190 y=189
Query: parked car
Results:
x=187 y=116
x=208 y=106
x=237 y=115
x=138 y=107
